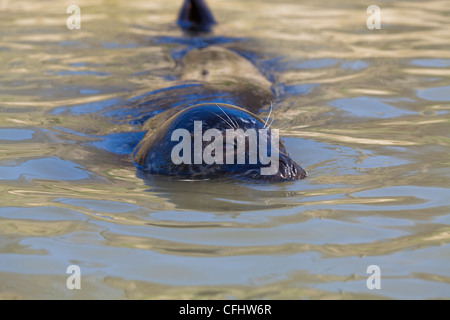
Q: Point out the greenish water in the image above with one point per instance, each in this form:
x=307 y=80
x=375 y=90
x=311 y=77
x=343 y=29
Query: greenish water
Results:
x=365 y=112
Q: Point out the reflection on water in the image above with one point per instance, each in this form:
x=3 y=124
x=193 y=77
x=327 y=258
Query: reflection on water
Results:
x=366 y=112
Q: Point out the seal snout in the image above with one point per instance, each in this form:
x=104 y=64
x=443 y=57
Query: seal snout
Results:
x=290 y=170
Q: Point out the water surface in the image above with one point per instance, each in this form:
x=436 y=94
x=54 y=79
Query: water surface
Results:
x=366 y=112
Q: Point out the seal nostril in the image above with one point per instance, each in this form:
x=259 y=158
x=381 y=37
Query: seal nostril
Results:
x=284 y=168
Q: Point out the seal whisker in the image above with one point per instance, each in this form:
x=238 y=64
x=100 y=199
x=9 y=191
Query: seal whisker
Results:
x=270 y=113
x=271 y=122
x=236 y=126
x=235 y=122
x=227 y=122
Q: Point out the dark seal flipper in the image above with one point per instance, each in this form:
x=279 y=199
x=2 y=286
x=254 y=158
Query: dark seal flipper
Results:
x=195 y=16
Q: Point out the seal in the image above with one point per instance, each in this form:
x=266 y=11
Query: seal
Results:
x=155 y=153
x=242 y=156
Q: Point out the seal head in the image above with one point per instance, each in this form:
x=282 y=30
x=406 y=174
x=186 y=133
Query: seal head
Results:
x=177 y=149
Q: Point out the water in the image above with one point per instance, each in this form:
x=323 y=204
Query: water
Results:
x=366 y=112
